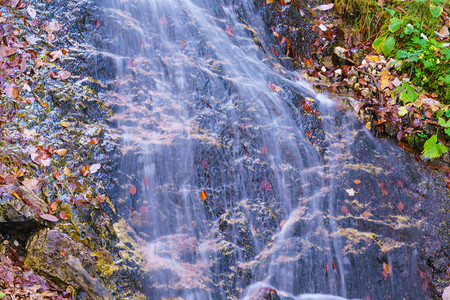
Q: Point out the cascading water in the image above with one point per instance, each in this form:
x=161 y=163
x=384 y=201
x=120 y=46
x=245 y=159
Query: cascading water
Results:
x=245 y=179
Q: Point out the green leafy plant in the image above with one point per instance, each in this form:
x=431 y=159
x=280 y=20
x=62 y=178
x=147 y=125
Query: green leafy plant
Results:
x=433 y=149
x=409 y=35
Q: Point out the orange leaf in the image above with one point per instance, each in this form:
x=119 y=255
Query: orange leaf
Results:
x=274 y=87
x=61 y=152
x=357 y=181
x=400 y=206
x=65 y=124
x=203 y=195
x=101 y=198
x=12 y=91
x=344 y=209
x=63 y=215
x=366 y=214
x=386 y=268
x=132 y=189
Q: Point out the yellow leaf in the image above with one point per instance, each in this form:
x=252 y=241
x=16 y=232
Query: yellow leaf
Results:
x=61 y=152
x=16 y=195
x=269 y=1
x=372 y=58
x=67 y=171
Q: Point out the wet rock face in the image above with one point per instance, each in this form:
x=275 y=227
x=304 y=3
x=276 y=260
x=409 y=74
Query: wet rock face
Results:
x=48 y=252
x=292 y=21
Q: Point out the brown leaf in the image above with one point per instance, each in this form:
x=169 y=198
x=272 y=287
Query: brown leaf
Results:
x=101 y=198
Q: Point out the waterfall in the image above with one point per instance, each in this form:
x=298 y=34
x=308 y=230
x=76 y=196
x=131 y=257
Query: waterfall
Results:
x=244 y=182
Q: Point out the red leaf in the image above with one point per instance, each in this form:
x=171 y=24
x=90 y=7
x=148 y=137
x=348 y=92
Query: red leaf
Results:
x=264 y=150
x=422 y=274
x=205 y=164
x=228 y=30
x=97 y=23
x=146 y=181
x=266 y=186
x=344 y=209
x=333 y=265
x=132 y=189
x=282 y=223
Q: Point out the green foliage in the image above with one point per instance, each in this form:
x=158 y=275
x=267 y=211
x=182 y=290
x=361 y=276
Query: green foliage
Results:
x=409 y=35
x=433 y=149
x=408 y=94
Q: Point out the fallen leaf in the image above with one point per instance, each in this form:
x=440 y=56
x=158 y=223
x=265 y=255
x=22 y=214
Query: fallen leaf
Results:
x=282 y=223
x=49 y=217
x=94 y=168
x=97 y=23
x=31 y=11
x=61 y=152
x=264 y=150
x=205 y=164
x=386 y=268
x=101 y=197
x=65 y=124
x=357 y=181
x=228 y=30
x=384 y=79
x=351 y=192
x=274 y=87
x=344 y=209
x=324 y=7
x=366 y=214
x=132 y=189
x=66 y=171
x=12 y=91
x=63 y=215
x=400 y=206
x=333 y=265
x=64 y=74
x=93 y=141
x=266 y=186
x=146 y=183
x=203 y=195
